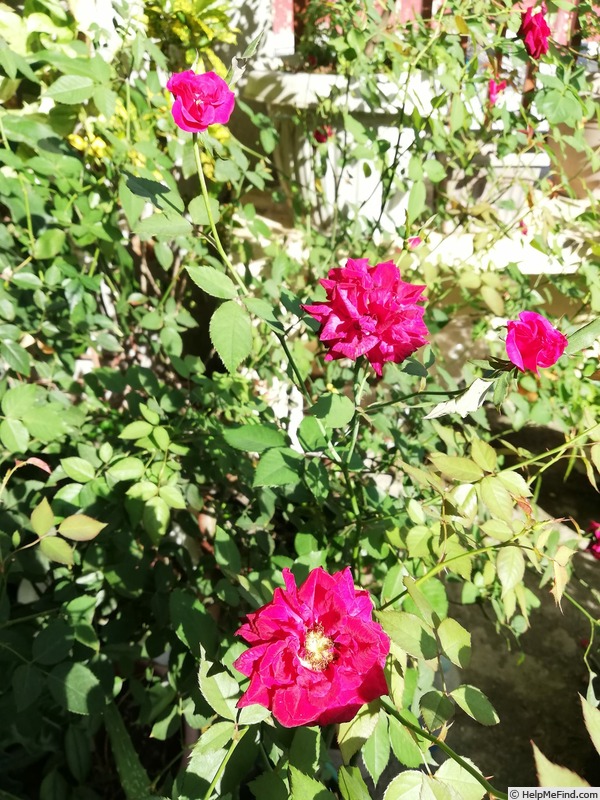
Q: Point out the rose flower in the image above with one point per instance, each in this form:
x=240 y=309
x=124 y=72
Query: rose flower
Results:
x=532 y=342
x=200 y=100
x=535 y=32
x=316 y=654
x=370 y=311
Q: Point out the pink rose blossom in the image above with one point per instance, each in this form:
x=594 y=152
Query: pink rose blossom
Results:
x=594 y=545
x=316 y=654
x=413 y=242
x=200 y=100
x=534 y=32
x=532 y=342
x=494 y=90
x=322 y=134
x=369 y=311
x=523 y=227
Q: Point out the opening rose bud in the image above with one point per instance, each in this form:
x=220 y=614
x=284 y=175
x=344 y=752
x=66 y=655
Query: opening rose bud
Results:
x=535 y=32
x=316 y=655
x=200 y=100
x=413 y=242
x=532 y=342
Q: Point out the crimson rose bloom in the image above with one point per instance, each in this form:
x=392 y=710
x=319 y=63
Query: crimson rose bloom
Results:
x=200 y=100
x=533 y=342
x=594 y=545
x=316 y=654
x=322 y=134
x=369 y=311
x=534 y=31
x=494 y=90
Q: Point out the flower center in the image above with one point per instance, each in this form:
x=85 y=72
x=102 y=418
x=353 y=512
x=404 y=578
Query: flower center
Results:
x=318 y=650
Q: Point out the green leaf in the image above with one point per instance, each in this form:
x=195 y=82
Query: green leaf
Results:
x=514 y=483
x=105 y=100
x=277 y=467
x=376 y=752
x=457 y=468
x=133 y=778
x=306 y=749
x=213 y=282
x=335 y=410
x=71 y=89
x=352 y=735
x=423 y=606
x=16 y=357
x=76 y=688
x=14 y=435
x=80 y=528
x=474 y=703
x=226 y=551
x=510 y=566
x=583 y=338
x=404 y=747
x=484 y=455
x=416 y=202
x=169 y=225
x=409 y=632
x=455 y=641
x=591 y=717
x=493 y=300
x=254 y=438
x=198 y=213
x=78 y=469
x=77 y=752
x=412 y=785
x=219 y=689
x=436 y=709
x=352 y=785
x=155 y=518
x=496 y=498
x=136 y=430
x=306 y=788
x=191 y=622
x=553 y=775
x=20 y=399
x=57 y=550
x=172 y=496
x=464 y=784
x=269 y=785
x=42 y=518
x=231 y=334
x=435 y=171
x=49 y=244
x=27 y=682
x=127 y=469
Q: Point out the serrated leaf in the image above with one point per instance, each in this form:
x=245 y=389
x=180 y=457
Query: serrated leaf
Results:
x=474 y=703
x=57 y=550
x=14 y=435
x=352 y=735
x=213 y=282
x=484 y=455
x=412 y=785
x=80 y=528
x=71 y=89
x=198 y=213
x=42 y=518
x=169 y=225
x=464 y=784
x=126 y=469
x=583 y=337
x=404 y=747
x=409 y=632
x=254 y=438
x=514 y=483
x=172 y=497
x=78 y=469
x=553 y=775
x=219 y=689
x=352 y=785
x=457 y=468
x=278 y=466
x=231 y=334
x=305 y=787
x=424 y=607
x=27 y=682
x=510 y=566
x=436 y=709
x=591 y=717
x=335 y=410
x=496 y=498
x=493 y=300
x=376 y=751
x=136 y=430
x=455 y=641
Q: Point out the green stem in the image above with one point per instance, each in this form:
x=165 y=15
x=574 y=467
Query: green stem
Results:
x=581 y=608
x=554 y=451
x=443 y=746
x=211 y=220
x=359 y=388
x=221 y=769
x=377 y=406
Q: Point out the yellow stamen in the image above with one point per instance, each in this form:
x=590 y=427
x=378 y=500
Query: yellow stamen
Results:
x=318 y=651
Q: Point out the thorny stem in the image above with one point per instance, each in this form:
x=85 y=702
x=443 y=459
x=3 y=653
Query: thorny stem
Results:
x=443 y=746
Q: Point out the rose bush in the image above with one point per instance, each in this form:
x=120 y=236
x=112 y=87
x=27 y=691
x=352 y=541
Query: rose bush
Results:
x=316 y=654
x=533 y=342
